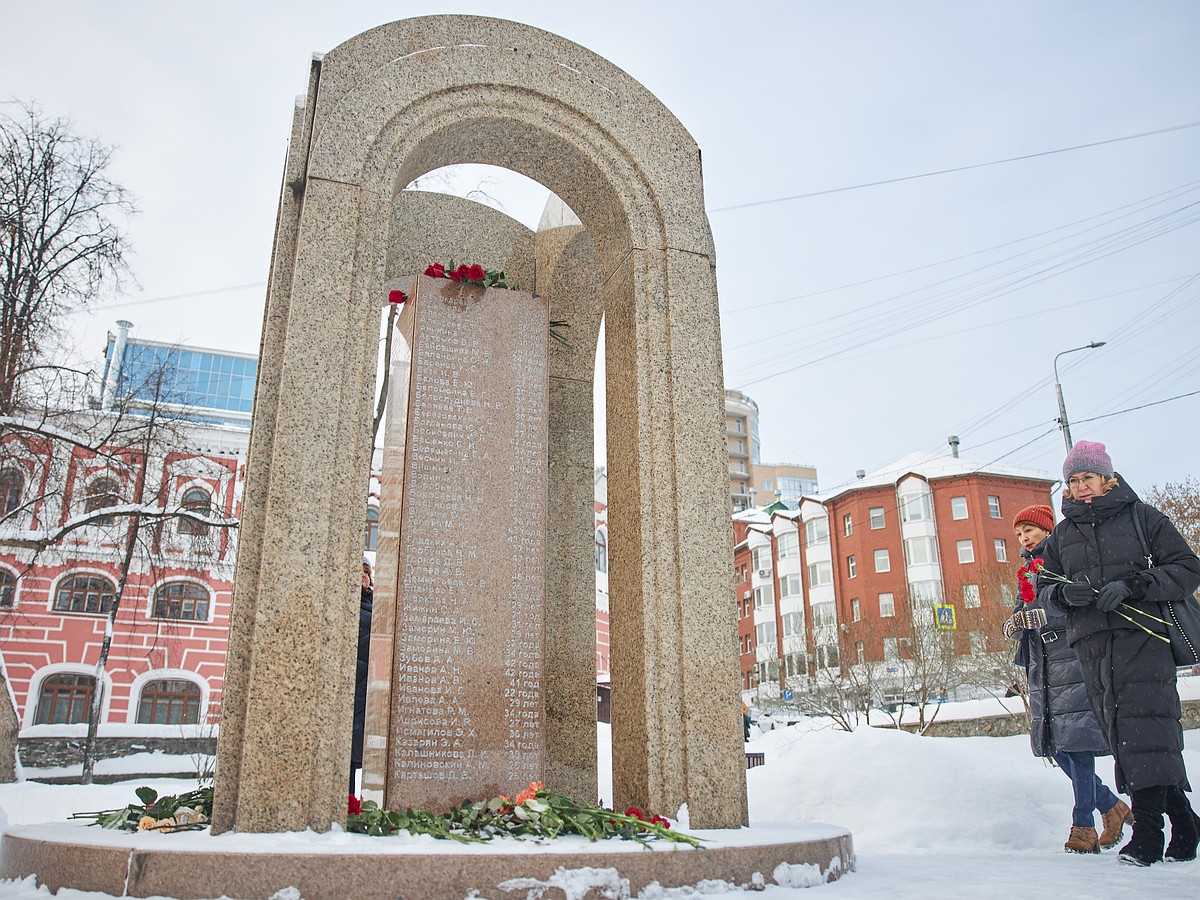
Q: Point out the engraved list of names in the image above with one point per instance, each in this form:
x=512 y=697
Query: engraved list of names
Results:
x=467 y=705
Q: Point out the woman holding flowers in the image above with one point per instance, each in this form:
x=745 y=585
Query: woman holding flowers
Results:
x=1062 y=725
x=1094 y=571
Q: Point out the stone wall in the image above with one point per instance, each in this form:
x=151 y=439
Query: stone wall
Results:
x=1006 y=726
x=50 y=752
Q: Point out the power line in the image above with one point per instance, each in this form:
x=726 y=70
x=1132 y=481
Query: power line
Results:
x=222 y=290
x=1120 y=412
x=994 y=162
x=1126 y=210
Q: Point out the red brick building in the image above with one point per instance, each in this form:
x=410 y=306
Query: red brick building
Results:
x=167 y=659
x=871 y=554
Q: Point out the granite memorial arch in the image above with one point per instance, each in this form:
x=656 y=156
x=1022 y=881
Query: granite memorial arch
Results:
x=382 y=109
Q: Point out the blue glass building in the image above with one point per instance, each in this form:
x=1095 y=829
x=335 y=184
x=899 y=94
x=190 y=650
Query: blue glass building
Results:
x=201 y=385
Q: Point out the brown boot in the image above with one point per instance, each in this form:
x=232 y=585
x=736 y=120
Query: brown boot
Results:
x=1082 y=840
x=1114 y=824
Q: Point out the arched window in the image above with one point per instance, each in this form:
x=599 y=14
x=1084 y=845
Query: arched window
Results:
x=371 y=538
x=84 y=594
x=181 y=600
x=169 y=703
x=12 y=486
x=199 y=501
x=8 y=589
x=601 y=551
x=102 y=493
x=64 y=699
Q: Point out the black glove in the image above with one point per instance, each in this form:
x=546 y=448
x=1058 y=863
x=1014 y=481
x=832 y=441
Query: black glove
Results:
x=1074 y=594
x=1112 y=595
x=1137 y=587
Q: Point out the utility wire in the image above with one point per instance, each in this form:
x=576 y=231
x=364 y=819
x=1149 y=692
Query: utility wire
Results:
x=994 y=162
x=1126 y=210
x=221 y=290
x=1121 y=412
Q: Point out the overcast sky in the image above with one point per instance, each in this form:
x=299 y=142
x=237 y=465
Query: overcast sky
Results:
x=867 y=322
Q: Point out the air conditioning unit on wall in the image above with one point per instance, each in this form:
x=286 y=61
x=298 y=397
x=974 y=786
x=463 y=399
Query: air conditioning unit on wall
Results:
x=764 y=573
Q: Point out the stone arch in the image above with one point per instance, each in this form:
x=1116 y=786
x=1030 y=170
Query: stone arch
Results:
x=381 y=109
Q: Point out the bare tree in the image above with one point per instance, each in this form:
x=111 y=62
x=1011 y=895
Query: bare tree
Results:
x=60 y=244
x=1180 y=500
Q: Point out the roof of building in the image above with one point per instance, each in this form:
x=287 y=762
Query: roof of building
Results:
x=930 y=468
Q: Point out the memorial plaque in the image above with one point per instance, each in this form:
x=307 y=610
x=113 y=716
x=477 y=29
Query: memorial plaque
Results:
x=467 y=708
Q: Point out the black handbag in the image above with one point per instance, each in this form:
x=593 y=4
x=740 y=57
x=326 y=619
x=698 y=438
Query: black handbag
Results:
x=1182 y=616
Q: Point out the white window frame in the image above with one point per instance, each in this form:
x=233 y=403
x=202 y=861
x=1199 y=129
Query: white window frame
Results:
x=971 y=599
x=994 y=507
x=885 y=559
x=788 y=545
x=848 y=524
x=852 y=566
x=887 y=605
x=816 y=531
x=855 y=609
x=929 y=551
x=966 y=551
x=882 y=521
x=958 y=509
x=820 y=573
x=1001 y=546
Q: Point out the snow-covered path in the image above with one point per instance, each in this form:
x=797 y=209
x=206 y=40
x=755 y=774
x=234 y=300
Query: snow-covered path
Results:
x=931 y=817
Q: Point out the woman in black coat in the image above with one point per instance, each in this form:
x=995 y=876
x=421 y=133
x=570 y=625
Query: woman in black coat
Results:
x=1062 y=725
x=1113 y=602
x=360 y=673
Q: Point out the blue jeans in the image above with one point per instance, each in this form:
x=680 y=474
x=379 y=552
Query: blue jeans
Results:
x=1091 y=793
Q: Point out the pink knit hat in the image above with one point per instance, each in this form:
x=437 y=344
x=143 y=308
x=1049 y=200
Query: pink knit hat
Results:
x=1088 y=456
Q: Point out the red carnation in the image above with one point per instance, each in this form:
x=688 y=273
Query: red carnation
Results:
x=353 y=806
x=1028 y=594
x=659 y=820
x=436 y=270
x=397 y=297
x=635 y=813
x=476 y=273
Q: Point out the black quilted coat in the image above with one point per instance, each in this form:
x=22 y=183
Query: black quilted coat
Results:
x=1061 y=717
x=366 y=600
x=1129 y=673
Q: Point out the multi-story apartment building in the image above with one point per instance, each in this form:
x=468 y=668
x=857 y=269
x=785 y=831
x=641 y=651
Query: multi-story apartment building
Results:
x=751 y=481
x=839 y=580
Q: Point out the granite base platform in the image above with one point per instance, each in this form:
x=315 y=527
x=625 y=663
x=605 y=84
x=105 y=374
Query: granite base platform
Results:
x=339 y=865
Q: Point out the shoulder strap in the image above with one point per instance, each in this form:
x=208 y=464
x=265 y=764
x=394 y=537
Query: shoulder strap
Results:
x=1135 y=511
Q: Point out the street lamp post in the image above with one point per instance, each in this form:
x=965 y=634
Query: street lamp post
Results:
x=1062 y=406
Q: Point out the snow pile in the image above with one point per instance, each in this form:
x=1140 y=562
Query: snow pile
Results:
x=930 y=817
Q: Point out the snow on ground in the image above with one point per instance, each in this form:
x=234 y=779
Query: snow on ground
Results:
x=931 y=817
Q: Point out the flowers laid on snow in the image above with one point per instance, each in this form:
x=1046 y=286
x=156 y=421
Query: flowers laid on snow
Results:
x=189 y=811
x=534 y=814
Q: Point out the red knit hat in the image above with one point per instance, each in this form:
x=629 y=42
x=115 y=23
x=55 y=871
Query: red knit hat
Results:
x=1041 y=516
